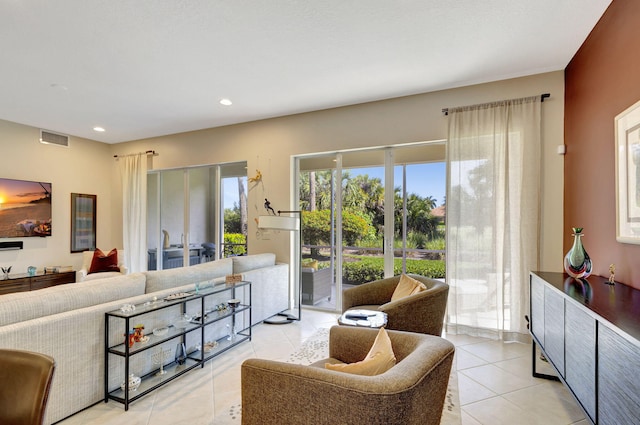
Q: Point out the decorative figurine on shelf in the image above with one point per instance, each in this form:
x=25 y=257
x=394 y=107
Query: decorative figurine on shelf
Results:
x=7 y=270
x=31 y=270
x=138 y=333
x=267 y=206
x=221 y=307
x=129 y=337
x=181 y=354
x=159 y=358
x=134 y=383
x=612 y=274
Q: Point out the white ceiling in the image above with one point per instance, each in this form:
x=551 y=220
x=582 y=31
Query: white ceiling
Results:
x=144 y=68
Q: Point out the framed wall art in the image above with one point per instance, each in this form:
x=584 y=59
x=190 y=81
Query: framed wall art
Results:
x=627 y=134
x=83 y=222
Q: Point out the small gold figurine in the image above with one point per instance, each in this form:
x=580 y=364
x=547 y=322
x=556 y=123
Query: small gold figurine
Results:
x=612 y=273
x=257 y=178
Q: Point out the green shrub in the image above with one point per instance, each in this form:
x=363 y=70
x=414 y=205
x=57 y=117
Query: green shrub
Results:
x=316 y=227
x=417 y=240
x=364 y=270
x=367 y=269
x=234 y=244
x=437 y=244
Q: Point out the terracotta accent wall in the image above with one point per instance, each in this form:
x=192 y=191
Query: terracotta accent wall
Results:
x=602 y=80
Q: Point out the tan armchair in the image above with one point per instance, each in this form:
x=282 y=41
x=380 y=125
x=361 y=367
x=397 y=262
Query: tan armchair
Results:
x=25 y=380
x=422 y=312
x=410 y=393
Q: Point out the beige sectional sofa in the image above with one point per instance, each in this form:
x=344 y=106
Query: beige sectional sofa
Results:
x=67 y=322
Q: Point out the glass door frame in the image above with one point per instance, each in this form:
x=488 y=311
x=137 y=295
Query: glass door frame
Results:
x=217 y=208
x=336 y=208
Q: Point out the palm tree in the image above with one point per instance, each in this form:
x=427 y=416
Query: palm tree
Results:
x=242 y=196
x=312 y=190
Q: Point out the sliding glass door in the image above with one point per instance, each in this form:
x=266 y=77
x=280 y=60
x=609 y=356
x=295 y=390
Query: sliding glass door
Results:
x=233 y=183
x=370 y=214
x=185 y=214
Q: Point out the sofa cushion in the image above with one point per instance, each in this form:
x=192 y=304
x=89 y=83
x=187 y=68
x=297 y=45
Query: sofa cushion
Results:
x=102 y=262
x=158 y=280
x=407 y=286
x=101 y=275
x=251 y=262
x=21 y=306
x=379 y=359
x=269 y=291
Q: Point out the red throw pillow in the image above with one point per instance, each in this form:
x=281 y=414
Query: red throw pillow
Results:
x=104 y=263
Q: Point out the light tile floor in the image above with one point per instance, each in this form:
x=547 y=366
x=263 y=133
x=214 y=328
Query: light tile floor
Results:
x=496 y=386
x=494 y=380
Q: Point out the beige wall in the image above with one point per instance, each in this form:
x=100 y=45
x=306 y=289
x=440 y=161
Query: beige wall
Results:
x=268 y=145
x=84 y=167
x=88 y=166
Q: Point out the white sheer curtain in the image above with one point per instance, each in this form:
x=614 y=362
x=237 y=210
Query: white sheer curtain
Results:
x=493 y=163
x=133 y=171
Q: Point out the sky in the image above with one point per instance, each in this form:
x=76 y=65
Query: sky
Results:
x=427 y=179
x=21 y=192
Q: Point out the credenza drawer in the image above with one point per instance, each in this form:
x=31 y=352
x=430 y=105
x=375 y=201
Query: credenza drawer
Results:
x=618 y=380
x=554 y=328
x=537 y=308
x=580 y=356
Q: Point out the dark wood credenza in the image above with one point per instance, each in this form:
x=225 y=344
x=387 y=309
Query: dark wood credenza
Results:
x=590 y=332
x=24 y=282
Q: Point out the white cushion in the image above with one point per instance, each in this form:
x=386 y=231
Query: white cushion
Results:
x=251 y=262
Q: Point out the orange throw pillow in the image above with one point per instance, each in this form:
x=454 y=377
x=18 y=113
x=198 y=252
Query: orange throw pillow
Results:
x=407 y=286
x=379 y=359
x=104 y=263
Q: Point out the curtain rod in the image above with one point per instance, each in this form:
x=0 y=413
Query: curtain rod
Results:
x=139 y=153
x=543 y=96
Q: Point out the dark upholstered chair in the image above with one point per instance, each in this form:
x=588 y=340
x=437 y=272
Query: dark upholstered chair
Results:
x=422 y=312
x=410 y=393
x=209 y=251
x=25 y=379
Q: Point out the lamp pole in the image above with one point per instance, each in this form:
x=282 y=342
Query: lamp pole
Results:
x=288 y=317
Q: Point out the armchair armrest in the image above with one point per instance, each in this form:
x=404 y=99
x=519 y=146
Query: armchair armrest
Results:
x=81 y=275
x=275 y=393
x=373 y=293
x=422 y=312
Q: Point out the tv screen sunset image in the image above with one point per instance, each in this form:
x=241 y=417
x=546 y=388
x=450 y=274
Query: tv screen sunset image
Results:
x=25 y=208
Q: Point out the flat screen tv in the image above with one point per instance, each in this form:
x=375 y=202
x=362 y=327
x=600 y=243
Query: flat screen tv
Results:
x=25 y=208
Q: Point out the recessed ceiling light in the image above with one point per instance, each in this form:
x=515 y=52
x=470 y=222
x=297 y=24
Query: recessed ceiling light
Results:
x=226 y=102
x=99 y=129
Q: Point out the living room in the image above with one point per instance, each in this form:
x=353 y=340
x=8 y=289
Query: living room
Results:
x=579 y=187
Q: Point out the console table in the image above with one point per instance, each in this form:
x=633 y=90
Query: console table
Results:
x=590 y=332
x=191 y=334
x=24 y=282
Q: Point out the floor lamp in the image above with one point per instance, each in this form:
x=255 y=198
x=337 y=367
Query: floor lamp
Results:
x=291 y=224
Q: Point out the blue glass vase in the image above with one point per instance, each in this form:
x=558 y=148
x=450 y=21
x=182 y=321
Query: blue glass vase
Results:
x=577 y=263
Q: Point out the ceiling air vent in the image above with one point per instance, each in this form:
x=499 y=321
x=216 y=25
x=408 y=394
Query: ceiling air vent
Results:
x=50 y=138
